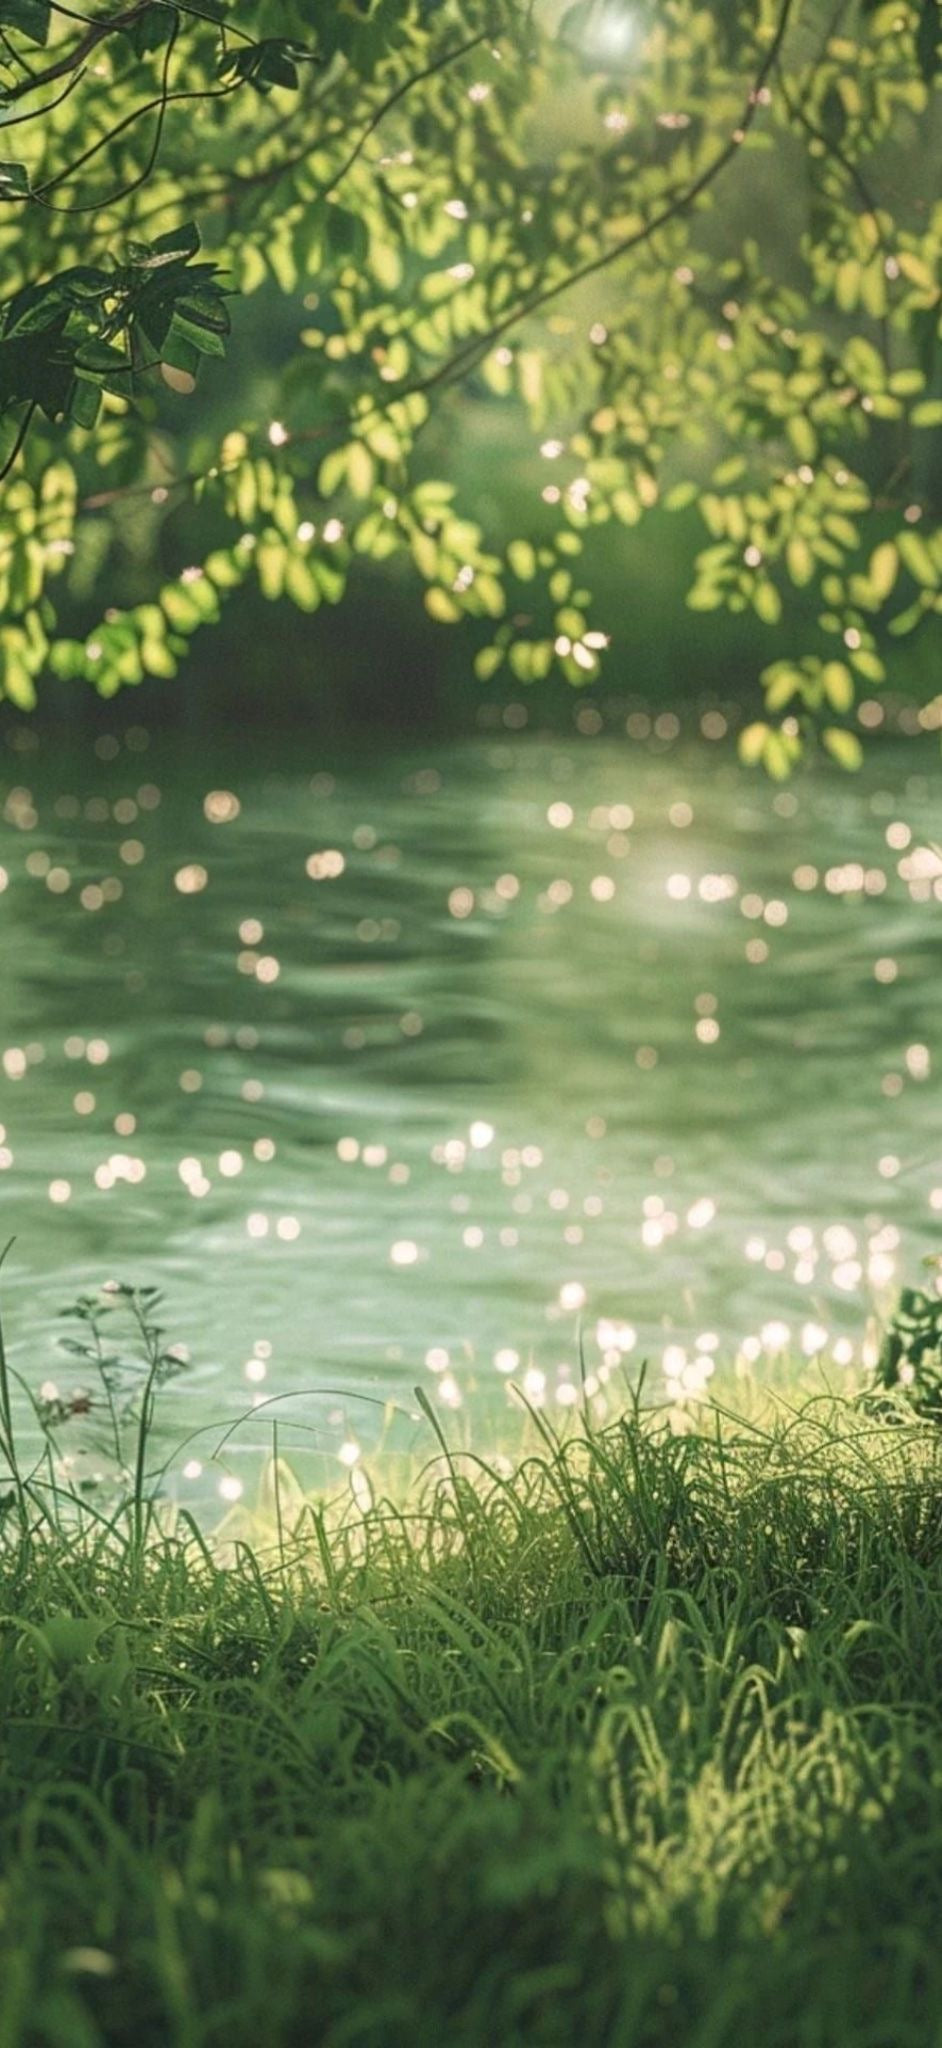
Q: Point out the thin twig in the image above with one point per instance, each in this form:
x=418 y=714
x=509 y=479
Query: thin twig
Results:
x=24 y=428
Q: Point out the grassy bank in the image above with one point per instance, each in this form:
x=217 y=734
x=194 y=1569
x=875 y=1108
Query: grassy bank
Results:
x=639 y=1746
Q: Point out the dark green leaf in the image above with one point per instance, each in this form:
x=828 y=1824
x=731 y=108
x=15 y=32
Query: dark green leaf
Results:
x=29 y=17
x=262 y=65
x=14 y=181
x=149 y=30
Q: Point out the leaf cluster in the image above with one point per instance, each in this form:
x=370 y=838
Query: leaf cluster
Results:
x=493 y=206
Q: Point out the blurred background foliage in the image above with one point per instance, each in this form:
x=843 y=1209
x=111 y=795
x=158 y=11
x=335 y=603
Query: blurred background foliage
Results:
x=607 y=334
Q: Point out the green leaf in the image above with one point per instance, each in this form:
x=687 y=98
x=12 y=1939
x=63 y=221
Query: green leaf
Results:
x=193 y=334
x=99 y=358
x=360 y=469
x=730 y=471
x=84 y=403
x=520 y=658
x=346 y=233
x=180 y=351
x=907 y=621
x=489 y=593
x=843 y=746
x=802 y=436
x=270 y=564
x=626 y=507
x=30 y=18
x=383 y=441
x=14 y=181
x=778 y=755
x=332 y=472
x=149 y=30
x=905 y=382
x=680 y=496
x=522 y=558
x=864 y=364
x=180 y=603
x=177 y=246
x=767 y=603
x=799 y=559
x=838 y=685
x=441 y=605
x=883 y=568
x=222 y=569
x=263 y=65
x=426 y=554
x=752 y=742
x=847 y=283
x=783 y=684
x=918 y=559
x=868 y=665
x=487 y=661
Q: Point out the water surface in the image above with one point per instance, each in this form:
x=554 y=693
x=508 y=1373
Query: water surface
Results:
x=392 y=1070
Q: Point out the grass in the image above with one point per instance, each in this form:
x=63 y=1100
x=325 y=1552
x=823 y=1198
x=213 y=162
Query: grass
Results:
x=640 y=1745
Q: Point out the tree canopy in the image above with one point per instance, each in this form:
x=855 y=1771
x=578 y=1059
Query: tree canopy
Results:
x=695 y=246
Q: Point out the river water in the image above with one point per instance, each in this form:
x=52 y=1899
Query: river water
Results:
x=399 y=1068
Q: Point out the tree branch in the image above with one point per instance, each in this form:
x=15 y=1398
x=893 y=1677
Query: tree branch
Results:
x=678 y=204
x=467 y=357
x=36 y=113
x=71 y=59
x=407 y=85
x=24 y=428
x=165 y=100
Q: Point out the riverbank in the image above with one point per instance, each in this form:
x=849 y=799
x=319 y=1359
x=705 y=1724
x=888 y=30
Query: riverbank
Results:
x=638 y=1745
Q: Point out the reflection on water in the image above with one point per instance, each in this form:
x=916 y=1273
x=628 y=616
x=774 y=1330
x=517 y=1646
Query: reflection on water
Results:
x=394 y=1071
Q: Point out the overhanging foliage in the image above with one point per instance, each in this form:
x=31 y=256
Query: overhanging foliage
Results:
x=680 y=239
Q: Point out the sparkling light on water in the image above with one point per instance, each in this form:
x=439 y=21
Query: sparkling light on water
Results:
x=554 y=1051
